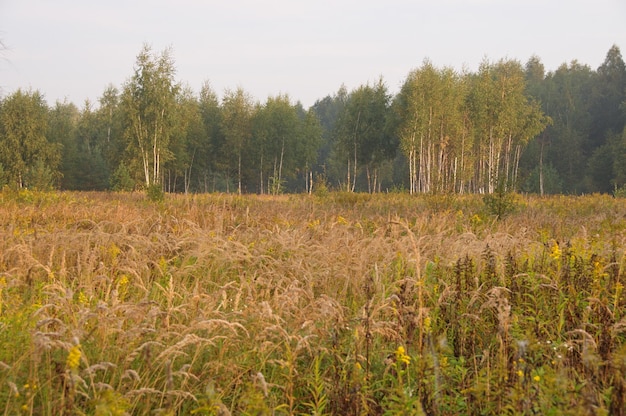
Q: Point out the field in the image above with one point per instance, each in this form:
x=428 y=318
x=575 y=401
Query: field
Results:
x=336 y=304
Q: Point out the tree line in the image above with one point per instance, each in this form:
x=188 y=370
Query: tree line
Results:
x=506 y=125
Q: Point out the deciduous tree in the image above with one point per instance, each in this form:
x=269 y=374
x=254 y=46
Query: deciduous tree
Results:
x=149 y=101
x=25 y=152
x=236 y=123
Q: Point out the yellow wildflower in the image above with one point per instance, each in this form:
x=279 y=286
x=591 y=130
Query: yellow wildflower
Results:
x=313 y=224
x=427 y=325
x=537 y=378
x=114 y=251
x=520 y=373
x=401 y=356
x=556 y=251
x=122 y=284
x=73 y=358
x=82 y=298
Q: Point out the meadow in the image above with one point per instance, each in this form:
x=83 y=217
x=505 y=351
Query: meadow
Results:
x=331 y=304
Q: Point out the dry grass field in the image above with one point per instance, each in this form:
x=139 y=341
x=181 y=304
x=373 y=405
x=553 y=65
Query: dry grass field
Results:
x=338 y=304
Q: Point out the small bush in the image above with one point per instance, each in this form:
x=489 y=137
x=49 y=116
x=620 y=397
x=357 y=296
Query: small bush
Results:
x=320 y=188
x=121 y=180
x=501 y=202
x=155 y=193
x=620 y=192
x=40 y=177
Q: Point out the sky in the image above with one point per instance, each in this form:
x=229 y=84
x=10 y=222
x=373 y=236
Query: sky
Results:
x=72 y=50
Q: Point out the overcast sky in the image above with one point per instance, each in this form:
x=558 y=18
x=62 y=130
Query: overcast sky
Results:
x=74 y=49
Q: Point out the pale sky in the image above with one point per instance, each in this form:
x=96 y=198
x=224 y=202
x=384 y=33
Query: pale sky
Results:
x=73 y=49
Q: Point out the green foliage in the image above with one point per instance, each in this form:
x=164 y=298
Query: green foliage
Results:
x=429 y=111
x=276 y=185
x=155 y=193
x=552 y=183
x=619 y=192
x=501 y=202
x=317 y=389
x=456 y=132
x=236 y=126
x=121 y=179
x=4 y=180
x=320 y=187
x=150 y=111
x=85 y=138
x=40 y=177
x=363 y=139
x=24 y=148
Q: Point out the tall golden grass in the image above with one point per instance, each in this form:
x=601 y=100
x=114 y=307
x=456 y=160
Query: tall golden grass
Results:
x=343 y=304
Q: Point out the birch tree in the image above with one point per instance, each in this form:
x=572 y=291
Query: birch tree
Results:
x=431 y=129
x=26 y=155
x=503 y=120
x=149 y=101
x=236 y=123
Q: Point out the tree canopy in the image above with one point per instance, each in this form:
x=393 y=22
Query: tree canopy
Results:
x=506 y=124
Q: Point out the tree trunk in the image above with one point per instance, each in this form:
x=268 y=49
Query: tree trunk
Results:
x=280 y=167
x=188 y=172
x=239 y=174
x=261 y=175
x=541 y=169
x=349 y=179
x=356 y=127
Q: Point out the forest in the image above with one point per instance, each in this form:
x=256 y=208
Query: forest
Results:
x=507 y=125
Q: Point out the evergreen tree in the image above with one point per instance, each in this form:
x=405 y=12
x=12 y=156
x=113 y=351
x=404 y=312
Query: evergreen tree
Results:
x=362 y=137
x=110 y=125
x=210 y=160
x=63 y=121
x=327 y=111
x=607 y=120
x=565 y=99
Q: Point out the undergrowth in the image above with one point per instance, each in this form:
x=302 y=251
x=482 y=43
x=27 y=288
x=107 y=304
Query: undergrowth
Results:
x=329 y=304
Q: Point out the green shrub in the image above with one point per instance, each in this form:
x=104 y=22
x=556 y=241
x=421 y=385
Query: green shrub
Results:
x=501 y=202
x=40 y=177
x=620 y=192
x=320 y=187
x=121 y=180
x=155 y=193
